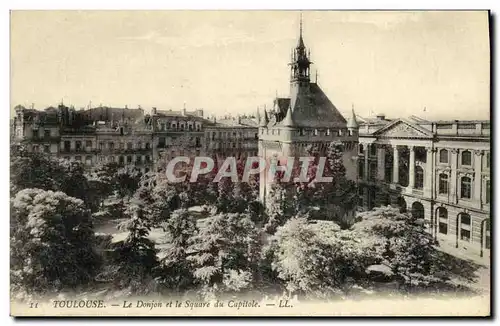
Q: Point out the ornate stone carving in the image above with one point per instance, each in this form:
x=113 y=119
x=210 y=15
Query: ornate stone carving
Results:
x=478 y=152
x=403 y=130
x=454 y=150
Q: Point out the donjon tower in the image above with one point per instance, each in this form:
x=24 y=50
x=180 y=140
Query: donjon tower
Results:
x=307 y=117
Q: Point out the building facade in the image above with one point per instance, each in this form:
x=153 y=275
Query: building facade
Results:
x=437 y=170
x=130 y=137
x=307 y=117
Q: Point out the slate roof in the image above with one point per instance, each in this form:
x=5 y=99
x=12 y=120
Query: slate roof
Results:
x=315 y=110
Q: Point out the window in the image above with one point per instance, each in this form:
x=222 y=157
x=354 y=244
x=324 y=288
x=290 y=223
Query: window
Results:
x=111 y=158
x=148 y=145
x=111 y=145
x=465 y=227
x=443 y=220
x=121 y=160
x=465 y=187
x=373 y=150
x=129 y=159
x=88 y=144
x=443 y=183
x=129 y=145
x=138 y=159
x=147 y=158
x=373 y=171
x=162 y=126
x=182 y=126
x=466 y=158
x=78 y=145
x=88 y=160
x=328 y=132
x=487 y=190
x=101 y=145
x=361 y=149
x=256 y=136
x=101 y=158
x=301 y=132
x=67 y=145
x=419 y=177
x=139 y=145
x=161 y=142
x=198 y=142
x=78 y=158
x=190 y=127
x=46 y=133
x=121 y=146
x=443 y=156
x=361 y=170
x=198 y=128
x=487 y=160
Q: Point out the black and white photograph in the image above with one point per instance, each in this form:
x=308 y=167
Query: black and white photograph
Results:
x=250 y=163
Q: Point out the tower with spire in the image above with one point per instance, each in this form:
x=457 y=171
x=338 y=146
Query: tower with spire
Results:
x=306 y=117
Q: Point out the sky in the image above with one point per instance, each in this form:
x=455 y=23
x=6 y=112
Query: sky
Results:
x=431 y=64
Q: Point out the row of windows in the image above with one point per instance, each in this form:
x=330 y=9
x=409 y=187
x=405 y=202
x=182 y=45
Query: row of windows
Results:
x=465 y=187
x=180 y=126
x=465 y=158
x=102 y=145
x=464 y=226
x=121 y=159
x=227 y=134
x=315 y=132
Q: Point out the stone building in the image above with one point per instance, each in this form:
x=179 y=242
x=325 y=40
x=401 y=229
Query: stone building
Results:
x=307 y=117
x=438 y=170
x=131 y=137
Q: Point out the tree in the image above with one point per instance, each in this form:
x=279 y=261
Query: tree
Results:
x=41 y=171
x=134 y=258
x=224 y=249
x=52 y=242
x=176 y=270
x=314 y=258
x=407 y=248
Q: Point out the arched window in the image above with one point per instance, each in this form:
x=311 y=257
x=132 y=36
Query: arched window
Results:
x=419 y=177
x=443 y=156
x=442 y=213
x=443 y=183
x=465 y=188
x=466 y=158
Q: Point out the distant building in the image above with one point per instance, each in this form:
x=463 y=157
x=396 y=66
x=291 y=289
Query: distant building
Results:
x=131 y=137
x=437 y=170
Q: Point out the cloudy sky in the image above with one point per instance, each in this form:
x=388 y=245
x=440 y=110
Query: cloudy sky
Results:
x=395 y=63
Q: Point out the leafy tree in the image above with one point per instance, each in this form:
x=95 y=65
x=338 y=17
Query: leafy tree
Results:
x=52 y=242
x=407 y=248
x=176 y=269
x=223 y=249
x=314 y=259
x=134 y=258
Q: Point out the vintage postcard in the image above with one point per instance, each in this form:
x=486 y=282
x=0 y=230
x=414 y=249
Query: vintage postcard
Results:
x=250 y=163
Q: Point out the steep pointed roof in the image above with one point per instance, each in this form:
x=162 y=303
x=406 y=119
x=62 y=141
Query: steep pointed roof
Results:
x=352 y=123
x=313 y=109
x=288 y=120
x=264 y=120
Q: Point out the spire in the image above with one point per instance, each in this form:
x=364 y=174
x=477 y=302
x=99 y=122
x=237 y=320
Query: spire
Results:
x=265 y=120
x=258 y=115
x=288 y=121
x=301 y=40
x=352 y=123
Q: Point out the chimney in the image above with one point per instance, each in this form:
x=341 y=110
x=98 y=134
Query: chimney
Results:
x=380 y=116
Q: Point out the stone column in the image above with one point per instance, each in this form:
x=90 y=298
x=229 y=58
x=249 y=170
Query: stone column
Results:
x=453 y=176
x=411 y=179
x=366 y=173
x=395 y=167
x=381 y=163
x=478 y=155
x=429 y=173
